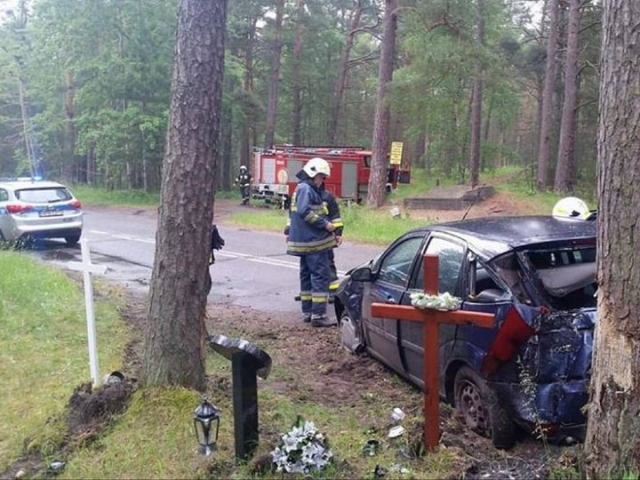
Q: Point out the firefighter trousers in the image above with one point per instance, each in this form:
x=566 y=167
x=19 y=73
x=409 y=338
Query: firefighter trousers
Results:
x=314 y=283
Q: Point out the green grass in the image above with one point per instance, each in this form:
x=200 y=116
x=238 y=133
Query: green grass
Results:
x=361 y=224
x=100 y=196
x=43 y=350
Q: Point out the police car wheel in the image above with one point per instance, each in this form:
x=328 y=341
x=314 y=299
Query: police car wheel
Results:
x=72 y=240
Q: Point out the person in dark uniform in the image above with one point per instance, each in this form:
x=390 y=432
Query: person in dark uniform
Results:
x=243 y=180
x=310 y=237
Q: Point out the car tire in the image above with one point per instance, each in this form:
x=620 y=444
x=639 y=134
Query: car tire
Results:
x=72 y=240
x=350 y=333
x=481 y=410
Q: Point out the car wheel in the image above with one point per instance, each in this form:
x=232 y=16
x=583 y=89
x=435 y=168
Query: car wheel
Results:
x=481 y=410
x=350 y=336
x=72 y=240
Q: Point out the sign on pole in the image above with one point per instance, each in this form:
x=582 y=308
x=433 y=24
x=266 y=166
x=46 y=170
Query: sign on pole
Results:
x=396 y=153
x=87 y=268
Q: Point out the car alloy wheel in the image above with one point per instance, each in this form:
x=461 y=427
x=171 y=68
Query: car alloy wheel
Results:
x=481 y=410
x=350 y=334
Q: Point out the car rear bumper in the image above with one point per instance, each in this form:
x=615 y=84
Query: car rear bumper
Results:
x=68 y=226
x=555 y=408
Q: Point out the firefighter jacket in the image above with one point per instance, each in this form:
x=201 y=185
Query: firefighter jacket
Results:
x=244 y=179
x=332 y=211
x=307 y=232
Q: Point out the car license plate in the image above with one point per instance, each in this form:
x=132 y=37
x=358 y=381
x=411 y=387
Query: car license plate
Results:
x=50 y=213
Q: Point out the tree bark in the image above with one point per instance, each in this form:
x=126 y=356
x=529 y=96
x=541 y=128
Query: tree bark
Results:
x=565 y=169
x=476 y=109
x=378 y=176
x=613 y=443
x=176 y=332
x=248 y=126
x=274 y=82
x=546 y=119
x=341 y=81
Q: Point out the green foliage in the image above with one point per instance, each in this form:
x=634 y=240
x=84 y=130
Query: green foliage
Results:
x=43 y=351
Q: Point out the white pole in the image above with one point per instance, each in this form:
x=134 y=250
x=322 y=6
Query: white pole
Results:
x=91 y=322
x=87 y=268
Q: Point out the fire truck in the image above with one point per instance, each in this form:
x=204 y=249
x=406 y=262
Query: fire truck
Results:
x=275 y=169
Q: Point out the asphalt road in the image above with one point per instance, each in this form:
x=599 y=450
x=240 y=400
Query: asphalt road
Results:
x=252 y=270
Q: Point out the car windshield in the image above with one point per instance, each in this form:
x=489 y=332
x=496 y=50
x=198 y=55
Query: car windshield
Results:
x=43 y=195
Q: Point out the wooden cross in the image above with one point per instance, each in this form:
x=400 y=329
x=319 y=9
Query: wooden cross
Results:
x=87 y=268
x=431 y=320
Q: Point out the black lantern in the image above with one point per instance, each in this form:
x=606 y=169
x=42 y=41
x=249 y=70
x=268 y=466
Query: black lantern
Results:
x=206 y=420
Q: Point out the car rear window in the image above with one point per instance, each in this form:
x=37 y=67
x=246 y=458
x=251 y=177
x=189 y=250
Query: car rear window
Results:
x=44 y=195
x=567 y=274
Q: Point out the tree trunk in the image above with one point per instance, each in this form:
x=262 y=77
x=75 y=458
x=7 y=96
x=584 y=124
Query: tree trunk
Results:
x=613 y=444
x=378 y=177
x=341 y=81
x=248 y=126
x=476 y=109
x=176 y=332
x=274 y=82
x=297 y=86
x=544 y=144
x=565 y=169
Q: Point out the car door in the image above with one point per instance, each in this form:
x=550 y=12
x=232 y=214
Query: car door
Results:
x=451 y=255
x=392 y=274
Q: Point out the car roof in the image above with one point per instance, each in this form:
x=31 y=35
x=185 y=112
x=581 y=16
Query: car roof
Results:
x=493 y=236
x=22 y=184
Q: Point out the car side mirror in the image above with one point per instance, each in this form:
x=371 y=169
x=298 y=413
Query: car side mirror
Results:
x=362 y=274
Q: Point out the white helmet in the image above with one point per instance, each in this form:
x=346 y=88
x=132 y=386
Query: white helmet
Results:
x=242 y=167
x=571 y=207
x=315 y=166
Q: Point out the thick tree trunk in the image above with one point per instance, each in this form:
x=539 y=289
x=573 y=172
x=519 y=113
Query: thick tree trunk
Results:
x=176 y=333
x=546 y=120
x=341 y=81
x=613 y=442
x=565 y=169
x=274 y=82
x=296 y=81
x=378 y=177
x=476 y=109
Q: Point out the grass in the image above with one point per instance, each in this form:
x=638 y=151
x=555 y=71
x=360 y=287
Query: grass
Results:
x=43 y=350
x=44 y=356
x=100 y=196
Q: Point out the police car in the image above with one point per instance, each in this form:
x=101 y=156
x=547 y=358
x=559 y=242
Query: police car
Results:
x=38 y=209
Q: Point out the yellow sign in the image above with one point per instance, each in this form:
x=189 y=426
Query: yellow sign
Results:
x=396 y=153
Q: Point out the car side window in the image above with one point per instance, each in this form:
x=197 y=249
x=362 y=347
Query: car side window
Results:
x=450 y=258
x=4 y=195
x=396 y=265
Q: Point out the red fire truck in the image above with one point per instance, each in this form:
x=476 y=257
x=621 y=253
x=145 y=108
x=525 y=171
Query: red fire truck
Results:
x=275 y=169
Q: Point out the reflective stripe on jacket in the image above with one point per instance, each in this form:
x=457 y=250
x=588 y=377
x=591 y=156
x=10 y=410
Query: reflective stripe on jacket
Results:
x=307 y=232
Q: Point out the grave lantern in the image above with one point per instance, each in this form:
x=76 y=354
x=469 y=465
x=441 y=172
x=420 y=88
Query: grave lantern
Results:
x=206 y=420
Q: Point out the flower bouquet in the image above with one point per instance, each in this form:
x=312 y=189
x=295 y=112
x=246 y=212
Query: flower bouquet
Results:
x=443 y=301
x=301 y=450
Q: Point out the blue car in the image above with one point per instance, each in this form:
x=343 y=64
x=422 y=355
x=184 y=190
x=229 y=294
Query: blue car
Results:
x=536 y=274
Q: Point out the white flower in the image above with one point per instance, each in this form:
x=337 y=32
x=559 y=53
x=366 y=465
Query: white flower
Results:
x=301 y=450
x=444 y=301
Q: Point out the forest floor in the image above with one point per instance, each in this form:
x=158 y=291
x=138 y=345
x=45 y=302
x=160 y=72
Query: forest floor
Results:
x=328 y=375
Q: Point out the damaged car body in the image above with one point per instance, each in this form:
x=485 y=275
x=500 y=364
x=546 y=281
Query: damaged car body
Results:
x=536 y=274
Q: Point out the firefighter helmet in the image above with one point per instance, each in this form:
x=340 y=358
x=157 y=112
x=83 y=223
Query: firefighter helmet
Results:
x=242 y=167
x=315 y=166
x=571 y=207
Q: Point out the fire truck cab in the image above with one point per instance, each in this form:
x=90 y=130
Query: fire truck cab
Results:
x=275 y=169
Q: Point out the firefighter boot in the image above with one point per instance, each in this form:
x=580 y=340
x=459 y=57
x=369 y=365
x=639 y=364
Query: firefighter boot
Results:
x=322 y=321
x=306 y=317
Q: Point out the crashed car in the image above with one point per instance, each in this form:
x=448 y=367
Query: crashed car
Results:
x=536 y=274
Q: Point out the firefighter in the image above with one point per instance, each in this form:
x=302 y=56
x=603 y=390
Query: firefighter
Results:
x=311 y=238
x=216 y=243
x=332 y=210
x=244 y=181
